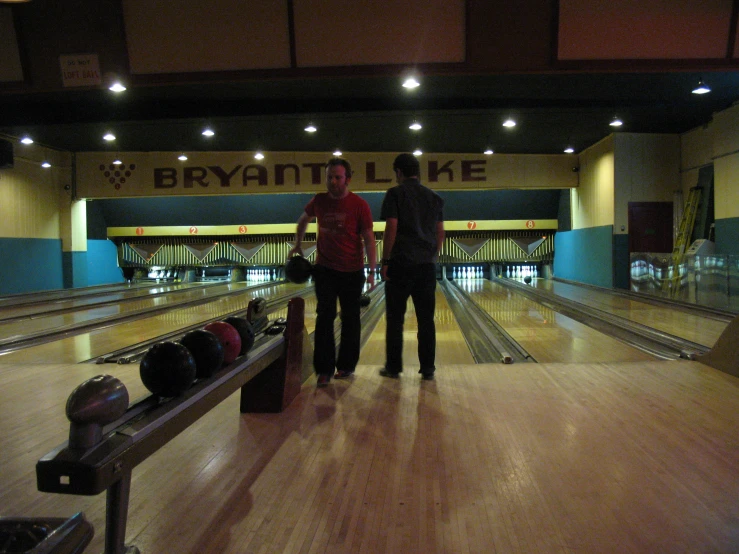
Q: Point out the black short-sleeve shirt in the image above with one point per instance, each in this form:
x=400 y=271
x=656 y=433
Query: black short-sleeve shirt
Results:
x=418 y=209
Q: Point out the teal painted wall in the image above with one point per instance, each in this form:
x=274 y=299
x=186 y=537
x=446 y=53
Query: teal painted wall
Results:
x=30 y=265
x=102 y=263
x=727 y=236
x=621 y=262
x=585 y=255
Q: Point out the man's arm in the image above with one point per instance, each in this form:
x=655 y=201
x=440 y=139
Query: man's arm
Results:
x=439 y=236
x=369 y=245
x=391 y=231
x=299 y=234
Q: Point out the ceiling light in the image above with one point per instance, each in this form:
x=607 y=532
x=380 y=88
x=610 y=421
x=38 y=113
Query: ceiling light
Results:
x=417 y=152
x=411 y=83
x=117 y=161
x=311 y=128
x=488 y=152
x=117 y=86
x=702 y=88
x=616 y=122
x=182 y=157
x=509 y=123
x=208 y=132
x=45 y=165
x=337 y=153
x=416 y=126
x=109 y=137
x=258 y=156
x=27 y=140
x=569 y=150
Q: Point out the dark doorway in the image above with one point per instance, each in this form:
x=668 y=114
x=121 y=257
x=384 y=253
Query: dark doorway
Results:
x=650 y=227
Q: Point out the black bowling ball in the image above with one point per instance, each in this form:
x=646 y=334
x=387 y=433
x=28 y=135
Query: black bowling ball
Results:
x=168 y=369
x=527 y=279
x=206 y=349
x=298 y=270
x=365 y=300
x=246 y=332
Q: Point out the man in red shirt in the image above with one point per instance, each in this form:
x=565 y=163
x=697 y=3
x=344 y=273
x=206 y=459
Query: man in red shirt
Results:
x=344 y=222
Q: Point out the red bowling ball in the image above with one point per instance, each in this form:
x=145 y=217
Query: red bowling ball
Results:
x=229 y=337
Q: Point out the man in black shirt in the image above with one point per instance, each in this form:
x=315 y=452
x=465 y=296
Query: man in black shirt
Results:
x=414 y=234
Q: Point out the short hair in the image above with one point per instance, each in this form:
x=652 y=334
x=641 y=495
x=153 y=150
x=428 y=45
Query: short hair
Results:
x=408 y=165
x=342 y=162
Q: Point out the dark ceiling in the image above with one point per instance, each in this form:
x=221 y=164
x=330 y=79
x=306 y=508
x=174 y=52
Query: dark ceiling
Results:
x=371 y=114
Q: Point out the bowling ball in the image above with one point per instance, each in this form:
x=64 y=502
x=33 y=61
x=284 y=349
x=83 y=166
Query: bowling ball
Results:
x=364 y=300
x=298 y=270
x=229 y=337
x=527 y=279
x=168 y=369
x=246 y=332
x=206 y=348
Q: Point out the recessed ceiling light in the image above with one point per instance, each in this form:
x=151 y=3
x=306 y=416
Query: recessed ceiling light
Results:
x=702 y=88
x=117 y=87
x=27 y=140
x=416 y=126
x=109 y=137
x=208 y=132
x=45 y=165
x=117 y=161
x=616 y=122
x=569 y=150
x=311 y=128
x=182 y=157
x=258 y=156
x=417 y=152
x=411 y=83
x=509 y=123
x=488 y=152
x=337 y=153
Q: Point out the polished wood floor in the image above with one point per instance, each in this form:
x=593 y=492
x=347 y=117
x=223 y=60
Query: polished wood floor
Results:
x=540 y=458
x=599 y=456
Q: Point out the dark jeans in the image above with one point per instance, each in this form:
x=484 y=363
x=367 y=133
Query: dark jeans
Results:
x=347 y=287
x=418 y=282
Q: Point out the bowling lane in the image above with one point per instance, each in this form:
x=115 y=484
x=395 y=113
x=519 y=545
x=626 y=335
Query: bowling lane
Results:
x=17 y=329
x=545 y=334
x=451 y=347
x=89 y=300
x=113 y=337
x=696 y=328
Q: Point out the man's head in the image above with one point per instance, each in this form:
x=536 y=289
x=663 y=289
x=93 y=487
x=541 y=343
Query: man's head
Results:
x=338 y=177
x=406 y=166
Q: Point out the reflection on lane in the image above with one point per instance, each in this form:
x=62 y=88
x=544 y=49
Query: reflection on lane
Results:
x=547 y=335
x=107 y=339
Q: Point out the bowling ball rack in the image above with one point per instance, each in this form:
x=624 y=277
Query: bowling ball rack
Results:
x=45 y=535
x=269 y=377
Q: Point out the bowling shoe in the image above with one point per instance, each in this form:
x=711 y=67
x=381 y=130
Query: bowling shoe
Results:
x=385 y=372
x=323 y=380
x=343 y=374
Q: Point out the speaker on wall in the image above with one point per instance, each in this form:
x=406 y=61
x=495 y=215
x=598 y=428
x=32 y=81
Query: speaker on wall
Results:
x=6 y=154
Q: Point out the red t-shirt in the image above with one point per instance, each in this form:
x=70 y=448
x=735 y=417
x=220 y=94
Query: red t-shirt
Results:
x=340 y=226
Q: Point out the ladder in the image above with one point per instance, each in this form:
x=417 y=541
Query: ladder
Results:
x=684 y=233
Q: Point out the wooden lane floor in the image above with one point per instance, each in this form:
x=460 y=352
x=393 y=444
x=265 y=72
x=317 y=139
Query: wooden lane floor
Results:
x=545 y=334
x=57 y=322
x=103 y=340
x=77 y=301
x=66 y=294
x=451 y=347
x=536 y=458
x=693 y=327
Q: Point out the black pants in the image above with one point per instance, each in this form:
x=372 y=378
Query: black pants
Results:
x=418 y=282
x=347 y=288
